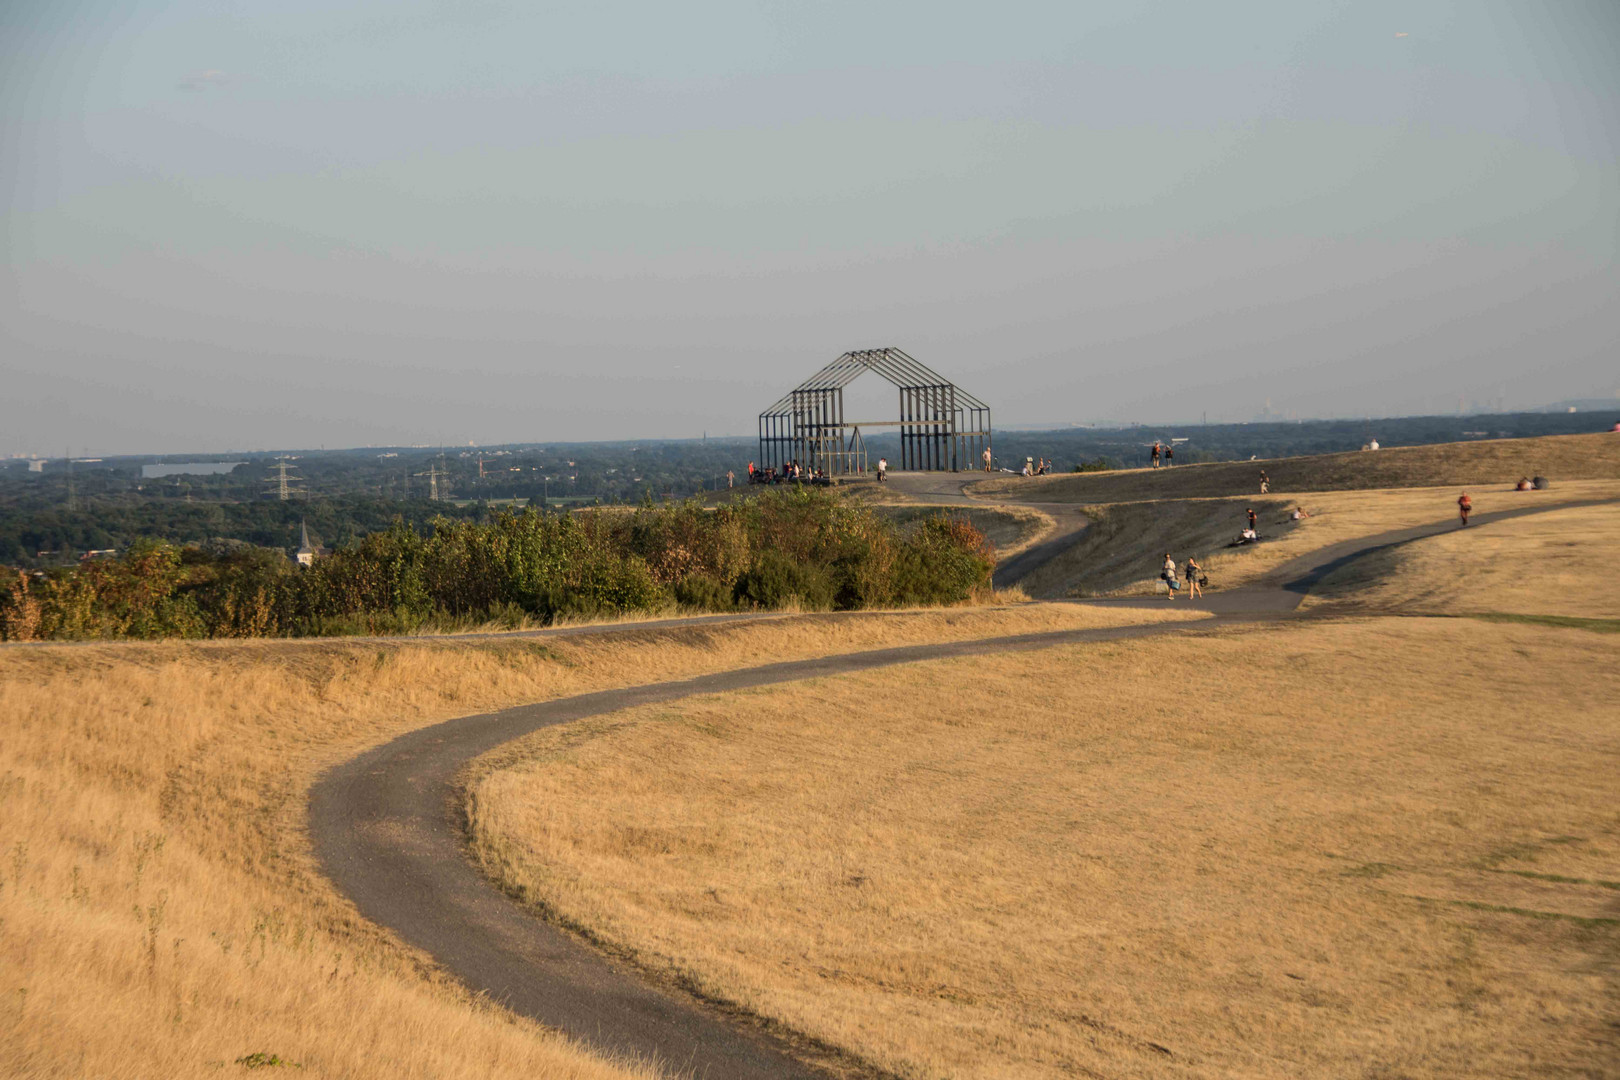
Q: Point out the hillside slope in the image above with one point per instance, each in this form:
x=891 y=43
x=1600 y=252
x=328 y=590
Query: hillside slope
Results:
x=1558 y=457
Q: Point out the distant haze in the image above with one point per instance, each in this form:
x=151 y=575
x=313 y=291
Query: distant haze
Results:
x=341 y=223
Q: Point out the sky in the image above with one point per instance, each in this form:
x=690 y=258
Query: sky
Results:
x=233 y=226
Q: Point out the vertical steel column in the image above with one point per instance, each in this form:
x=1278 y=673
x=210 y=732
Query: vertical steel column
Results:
x=933 y=427
x=908 y=455
x=905 y=431
x=838 y=417
x=927 y=434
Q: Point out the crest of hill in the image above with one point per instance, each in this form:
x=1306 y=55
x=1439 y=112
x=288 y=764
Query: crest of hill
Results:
x=1558 y=457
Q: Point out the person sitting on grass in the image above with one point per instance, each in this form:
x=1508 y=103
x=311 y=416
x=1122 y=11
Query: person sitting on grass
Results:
x=1524 y=484
x=1299 y=512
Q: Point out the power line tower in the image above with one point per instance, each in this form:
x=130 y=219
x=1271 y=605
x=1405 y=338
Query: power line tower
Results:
x=284 y=484
x=433 y=475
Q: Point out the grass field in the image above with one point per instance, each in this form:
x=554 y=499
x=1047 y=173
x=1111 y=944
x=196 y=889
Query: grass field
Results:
x=159 y=911
x=1363 y=848
x=1120 y=554
x=1563 y=563
x=1494 y=461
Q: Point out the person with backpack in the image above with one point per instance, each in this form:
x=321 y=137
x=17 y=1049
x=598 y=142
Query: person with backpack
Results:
x=1195 y=585
x=1153 y=454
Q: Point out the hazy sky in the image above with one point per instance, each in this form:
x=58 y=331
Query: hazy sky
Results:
x=237 y=225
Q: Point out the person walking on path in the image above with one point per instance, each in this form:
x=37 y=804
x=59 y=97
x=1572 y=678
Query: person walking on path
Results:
x=1194 y=591
x=1252 y=519
x=731 y=478
x=1265 y=482
x=1465 y=506
x=883 y=470
x=986 y=456
x=1169 y=576
x=1169 y=455
x=1153 y=455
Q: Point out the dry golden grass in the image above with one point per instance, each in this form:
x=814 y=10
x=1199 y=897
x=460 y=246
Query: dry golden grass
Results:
x=1566 y=562
x=1494 y=461
x=1380 y=848
x=159 y=911
x=1120 y=554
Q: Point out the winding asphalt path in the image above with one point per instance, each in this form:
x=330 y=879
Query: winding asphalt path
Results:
x=388 y=830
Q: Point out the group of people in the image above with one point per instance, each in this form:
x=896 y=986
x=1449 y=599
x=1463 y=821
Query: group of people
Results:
x=1034 y=468
x=1192 y=572
x=791 y=473
x=1162 y=451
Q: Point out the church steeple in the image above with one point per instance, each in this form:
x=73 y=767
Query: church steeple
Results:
x=306 y=553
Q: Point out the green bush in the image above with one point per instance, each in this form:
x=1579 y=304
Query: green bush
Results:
x=801 y=547
x=778 y=580
x=705 y=593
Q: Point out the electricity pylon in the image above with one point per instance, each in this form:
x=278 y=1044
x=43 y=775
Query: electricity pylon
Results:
x=433 y=475
x=283 y=483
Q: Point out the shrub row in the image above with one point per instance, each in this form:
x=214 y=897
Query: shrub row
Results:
x=783 y=548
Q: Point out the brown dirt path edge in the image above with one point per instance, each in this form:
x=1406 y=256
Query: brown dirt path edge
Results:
x=386 y=829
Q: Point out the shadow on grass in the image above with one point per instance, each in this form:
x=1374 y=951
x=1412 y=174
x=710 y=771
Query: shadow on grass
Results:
x=1601 y=626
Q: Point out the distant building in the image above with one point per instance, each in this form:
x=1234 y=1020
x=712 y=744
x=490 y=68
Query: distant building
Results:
x=36 y=465
x=306 y=553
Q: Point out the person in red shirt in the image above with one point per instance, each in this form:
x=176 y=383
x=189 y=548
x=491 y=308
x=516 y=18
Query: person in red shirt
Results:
x=1465 y=506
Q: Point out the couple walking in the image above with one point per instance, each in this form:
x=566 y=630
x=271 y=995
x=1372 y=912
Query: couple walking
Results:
x=1193 y=572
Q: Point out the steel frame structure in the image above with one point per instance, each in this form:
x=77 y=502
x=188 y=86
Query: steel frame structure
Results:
x=942 y=427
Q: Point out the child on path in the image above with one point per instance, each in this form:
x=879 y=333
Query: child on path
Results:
x=1465 y=506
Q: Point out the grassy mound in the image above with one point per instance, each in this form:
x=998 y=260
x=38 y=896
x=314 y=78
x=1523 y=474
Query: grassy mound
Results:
x=160 y=915
x=1559 y=564
x=1360 y=848
x=1495 y=461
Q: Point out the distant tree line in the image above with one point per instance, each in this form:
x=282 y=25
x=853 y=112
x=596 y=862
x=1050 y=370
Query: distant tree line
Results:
x=801 y=548
x=53 y=535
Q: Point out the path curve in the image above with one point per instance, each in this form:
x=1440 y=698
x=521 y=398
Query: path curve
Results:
x=951 y=489
x=387 y=830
